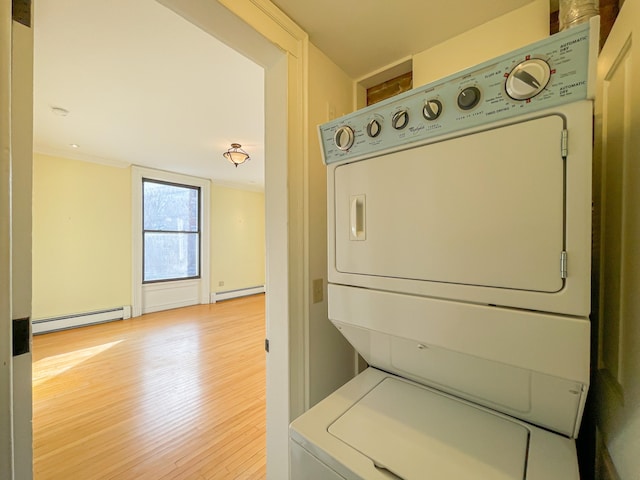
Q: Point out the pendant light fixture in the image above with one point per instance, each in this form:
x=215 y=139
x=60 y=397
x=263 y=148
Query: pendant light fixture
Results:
x=236 y=155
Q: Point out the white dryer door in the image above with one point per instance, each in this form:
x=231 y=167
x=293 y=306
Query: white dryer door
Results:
x=416 y=433
x=485 y=209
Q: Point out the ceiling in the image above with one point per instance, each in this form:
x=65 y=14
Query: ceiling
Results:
x=143 y=86
x=362 y=36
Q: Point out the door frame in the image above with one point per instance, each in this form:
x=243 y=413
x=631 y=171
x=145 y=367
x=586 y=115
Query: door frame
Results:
x=264 y=34
x=260 y=31
x=6 y=360
x=613 y=421
x=16 y=139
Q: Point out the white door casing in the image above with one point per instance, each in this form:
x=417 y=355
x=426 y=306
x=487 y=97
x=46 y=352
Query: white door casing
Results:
x=261 y=32
x=617 y=200
x=16 y=134
x=6 y=434
x=21 y=174
x=283 y=67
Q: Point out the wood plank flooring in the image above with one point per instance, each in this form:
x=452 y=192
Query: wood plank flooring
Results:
x=175 y=395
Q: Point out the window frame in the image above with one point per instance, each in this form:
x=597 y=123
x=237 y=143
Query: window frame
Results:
x=198 y=232
x=154 y=297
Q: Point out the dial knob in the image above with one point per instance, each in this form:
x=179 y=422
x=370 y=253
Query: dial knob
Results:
x=400 y=119
x=469 y=98
x=528 y=79
x=432 y=109
x=374 y=127
x=343 y=138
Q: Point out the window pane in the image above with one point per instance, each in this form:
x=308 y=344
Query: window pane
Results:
x=170 y=256
x=170 y=207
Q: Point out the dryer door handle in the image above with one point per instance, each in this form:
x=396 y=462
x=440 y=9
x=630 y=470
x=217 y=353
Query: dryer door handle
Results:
x=357 y=230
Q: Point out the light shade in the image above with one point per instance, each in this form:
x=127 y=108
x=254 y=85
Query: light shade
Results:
x=236 y=155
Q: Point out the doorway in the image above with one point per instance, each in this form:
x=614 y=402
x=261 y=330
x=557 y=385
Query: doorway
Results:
x=279 y=235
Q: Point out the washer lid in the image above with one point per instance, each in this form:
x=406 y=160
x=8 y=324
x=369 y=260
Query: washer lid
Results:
x=416 y=433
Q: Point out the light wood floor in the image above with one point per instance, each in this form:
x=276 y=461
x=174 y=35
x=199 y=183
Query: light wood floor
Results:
x=171 y=395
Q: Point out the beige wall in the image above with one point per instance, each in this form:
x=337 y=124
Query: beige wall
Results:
x=82 y=237
x=330 y=89
x=237 y=238
x=508 y=32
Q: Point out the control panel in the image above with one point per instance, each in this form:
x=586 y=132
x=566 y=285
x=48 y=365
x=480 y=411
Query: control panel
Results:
x=554 y=71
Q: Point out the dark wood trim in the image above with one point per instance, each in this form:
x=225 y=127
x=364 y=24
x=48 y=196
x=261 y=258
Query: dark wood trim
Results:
x=390 y=88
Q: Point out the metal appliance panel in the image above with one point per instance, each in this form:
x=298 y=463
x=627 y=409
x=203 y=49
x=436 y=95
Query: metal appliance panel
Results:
x=571 y=59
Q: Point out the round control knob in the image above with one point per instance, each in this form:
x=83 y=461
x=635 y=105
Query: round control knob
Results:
x=469 y=98
x=432 y=109
x=343 y=138
x=400 y=119
x=374 y=128
x=528 y=79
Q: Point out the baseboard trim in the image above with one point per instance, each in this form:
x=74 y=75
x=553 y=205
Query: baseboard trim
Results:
x=240 y=292
x=65 y=322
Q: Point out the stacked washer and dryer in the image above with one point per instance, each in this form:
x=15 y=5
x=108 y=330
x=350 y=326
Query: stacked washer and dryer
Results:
x=459 y=268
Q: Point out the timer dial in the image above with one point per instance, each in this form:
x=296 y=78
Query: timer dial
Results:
x=432 y=109
x=400 y=119
x=469 y=98
x=528 y=79
x=374 y=127
x=343 y=138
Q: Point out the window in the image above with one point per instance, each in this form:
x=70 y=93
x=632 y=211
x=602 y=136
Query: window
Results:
x=171 y=231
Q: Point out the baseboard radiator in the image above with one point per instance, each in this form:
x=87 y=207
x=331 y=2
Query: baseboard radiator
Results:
x=46 y=325
x=241 y=292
